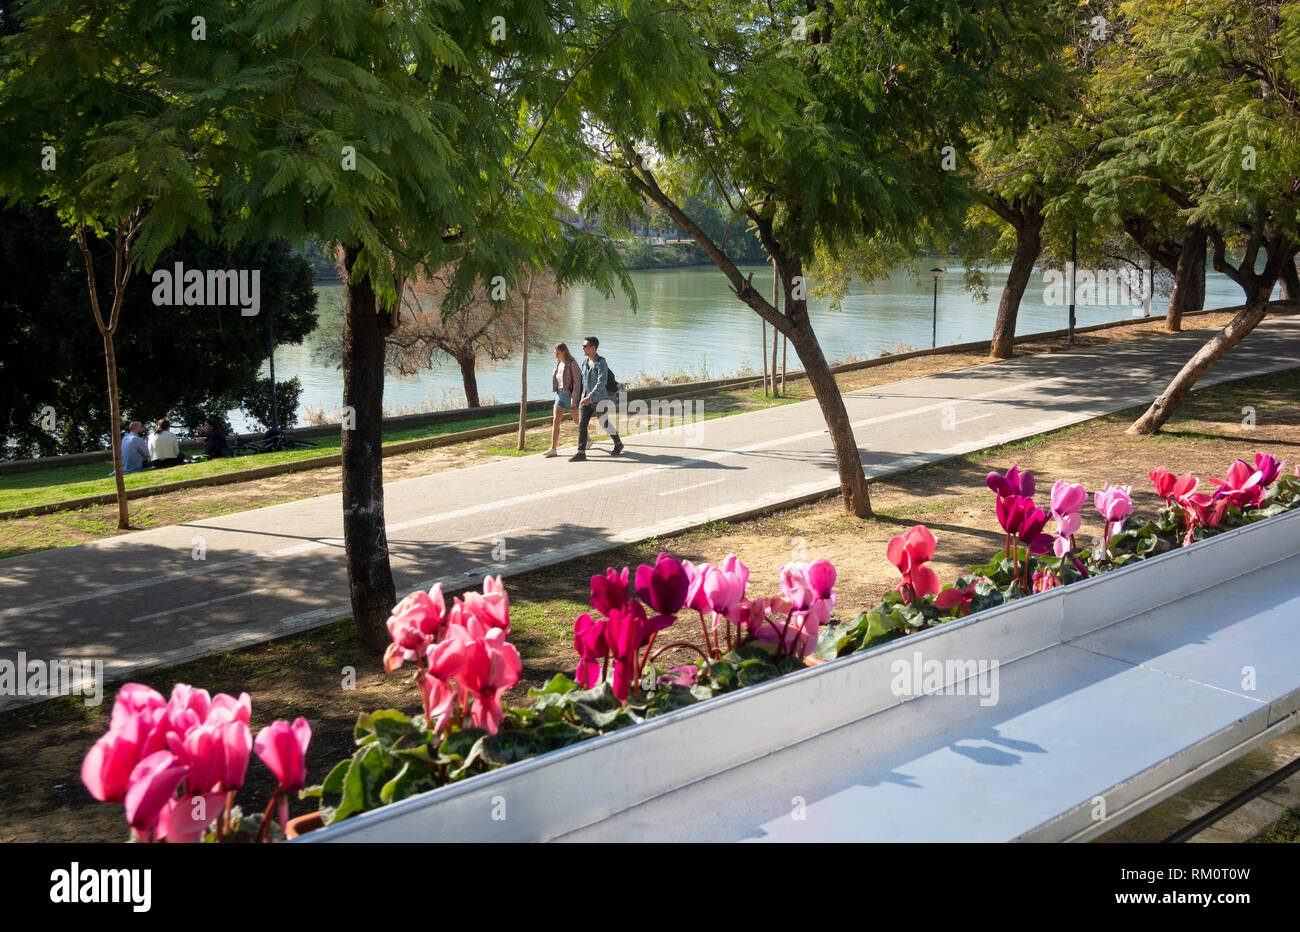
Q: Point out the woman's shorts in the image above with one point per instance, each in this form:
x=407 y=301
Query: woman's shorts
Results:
x=564 y=400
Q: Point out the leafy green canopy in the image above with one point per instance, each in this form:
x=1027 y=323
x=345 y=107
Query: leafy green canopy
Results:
x=1203 y=115
x=400 y=129
x=180 y=362
x=827 y=122
x=96 y=116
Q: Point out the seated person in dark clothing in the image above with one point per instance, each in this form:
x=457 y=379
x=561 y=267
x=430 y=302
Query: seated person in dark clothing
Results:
x=214 y=440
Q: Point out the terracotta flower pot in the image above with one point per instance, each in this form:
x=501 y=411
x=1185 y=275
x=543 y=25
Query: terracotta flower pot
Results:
x=301 y=825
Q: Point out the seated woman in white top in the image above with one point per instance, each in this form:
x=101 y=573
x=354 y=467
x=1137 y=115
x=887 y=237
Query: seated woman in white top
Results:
x=164 y=448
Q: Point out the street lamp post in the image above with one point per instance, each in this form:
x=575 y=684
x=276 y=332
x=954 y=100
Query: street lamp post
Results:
x=1074 y=259
x=934 y=323
x=270 y=325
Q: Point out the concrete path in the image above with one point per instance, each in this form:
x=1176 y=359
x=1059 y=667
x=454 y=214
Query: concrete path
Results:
x=177 y=593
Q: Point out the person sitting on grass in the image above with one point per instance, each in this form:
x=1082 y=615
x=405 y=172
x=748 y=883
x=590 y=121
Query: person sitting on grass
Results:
x=135 y=449
x=164 y=448
x=214 y=440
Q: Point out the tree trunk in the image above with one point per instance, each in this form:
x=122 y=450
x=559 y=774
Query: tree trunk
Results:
x=523 y=381
x=1163 y=407
x=1290 y=281
x=764 y=353
x=115 y=429
x=370 y=578
x=1028 y=245
x=848 y=461
x=853 y=482
x=470 y=380
x=1189 y=280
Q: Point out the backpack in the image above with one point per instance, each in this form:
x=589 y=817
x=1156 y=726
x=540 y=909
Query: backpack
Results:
x=611 y=384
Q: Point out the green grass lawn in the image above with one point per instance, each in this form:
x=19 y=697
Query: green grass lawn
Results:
x=65 y=482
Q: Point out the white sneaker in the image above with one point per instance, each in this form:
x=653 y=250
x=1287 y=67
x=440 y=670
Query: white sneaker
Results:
x=551 y=452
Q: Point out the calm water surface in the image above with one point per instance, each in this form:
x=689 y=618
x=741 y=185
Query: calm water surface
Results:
x=688 y=319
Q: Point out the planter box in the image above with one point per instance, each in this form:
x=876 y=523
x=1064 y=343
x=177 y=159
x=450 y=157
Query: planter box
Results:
x=1125 y=687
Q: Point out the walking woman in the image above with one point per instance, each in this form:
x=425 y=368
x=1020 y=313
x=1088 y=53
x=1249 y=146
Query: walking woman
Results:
x=566 y=382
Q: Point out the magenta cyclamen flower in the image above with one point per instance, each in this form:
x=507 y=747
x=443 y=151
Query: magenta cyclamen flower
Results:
x=610 y=591
x=663 y=586
x=1243 y=486
x=1030 y=530
x=1268 y=468
x=589 y=642
x=1014 y=483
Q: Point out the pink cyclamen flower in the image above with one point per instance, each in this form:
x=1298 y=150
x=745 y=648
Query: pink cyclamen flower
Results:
x=439 y=698
x=236 y=745
x=695 y=595
x=1011 y=512
x=1044 y=580
x=1014 y=484
x=283 y=748
x=202 y=752
x=133 y=699
x=627 y=631
x=793 y=629
x=1201 y=510
x=724 y=587
x=1171 y=487
x=1114 y=505
x=663 y=586
x=1067 y=499
x=152 y=785
x=492 y=666
x=609 y=591
x=909 y=552
x=686 y=675
x=1244 y=486
x=1030 y=530
x=956 y=597
x=1268 y=468
x=187 y=707
x=821 y=576
x=229 y=709
x=589 y=642
x=106 y=768
x=492 y=606
x=750 y=613
x=188 y=817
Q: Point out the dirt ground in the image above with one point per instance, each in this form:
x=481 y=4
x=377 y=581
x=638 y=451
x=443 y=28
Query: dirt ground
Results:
x=41 y=746
x=26 y=535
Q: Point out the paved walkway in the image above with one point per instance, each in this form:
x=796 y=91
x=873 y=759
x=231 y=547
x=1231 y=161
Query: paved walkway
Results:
x=144 y=599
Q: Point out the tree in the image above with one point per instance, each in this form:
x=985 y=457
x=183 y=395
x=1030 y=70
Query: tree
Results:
x=97 y=124
x=1025 y=161
x=406 y=135
x=1242 y=128
x=180 y=362
x=488 y=329
x=817 y=123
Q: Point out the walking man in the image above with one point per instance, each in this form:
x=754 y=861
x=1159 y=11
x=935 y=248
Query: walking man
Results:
x=595 y=372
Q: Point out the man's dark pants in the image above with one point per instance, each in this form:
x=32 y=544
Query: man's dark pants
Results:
x=584 y=419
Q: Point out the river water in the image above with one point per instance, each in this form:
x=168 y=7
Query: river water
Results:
x=689 y=320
